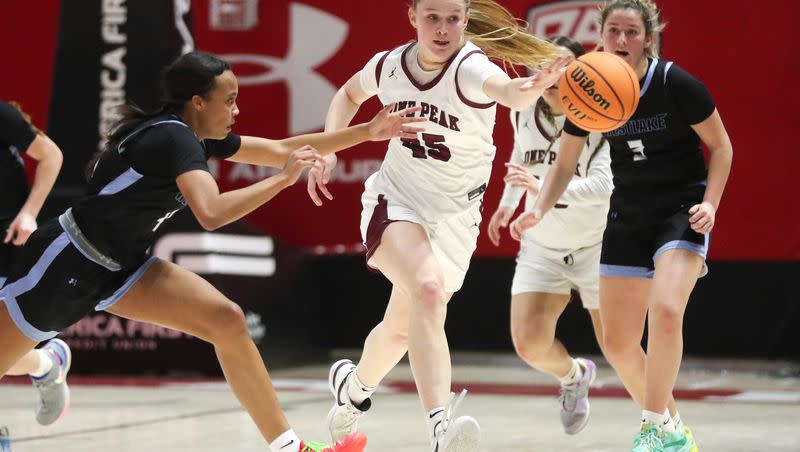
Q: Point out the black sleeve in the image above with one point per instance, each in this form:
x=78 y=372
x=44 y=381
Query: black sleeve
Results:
x=574 y=130
x=224 y=148
x=690 y=95
x=167 y=151
x=14 y=130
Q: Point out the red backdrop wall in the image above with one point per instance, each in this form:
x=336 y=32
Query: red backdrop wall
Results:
x=740 y=50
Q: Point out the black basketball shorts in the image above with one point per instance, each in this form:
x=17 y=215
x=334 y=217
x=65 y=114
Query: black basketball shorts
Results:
x=7 y=253
x=58 y=278
x=642 y=226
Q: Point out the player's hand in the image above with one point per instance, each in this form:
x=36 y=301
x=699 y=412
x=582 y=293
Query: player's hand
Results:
x=548 y=75
x=20 y=229
x=386 y=125
x=524 y=222
x=702 y=217
x=518 y=176
x=319 y=176
x=298 y=160
x=499 y=220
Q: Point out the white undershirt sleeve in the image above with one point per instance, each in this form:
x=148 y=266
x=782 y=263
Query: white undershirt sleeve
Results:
x=598 y=184
x=512 y=195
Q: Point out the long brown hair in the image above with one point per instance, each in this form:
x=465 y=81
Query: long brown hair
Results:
x=192 y=74
x=504 y=37
x=650 y=15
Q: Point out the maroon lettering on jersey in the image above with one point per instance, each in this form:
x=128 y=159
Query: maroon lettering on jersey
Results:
x=443 y=120
x=454 y=123
x=434 y=112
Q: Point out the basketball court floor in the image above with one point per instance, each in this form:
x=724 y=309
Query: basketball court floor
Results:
x=732 y=406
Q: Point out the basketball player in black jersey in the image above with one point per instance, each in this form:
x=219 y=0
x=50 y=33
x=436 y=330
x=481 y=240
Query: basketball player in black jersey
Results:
x=662 y=211
x=19 y=207
x=94 y=256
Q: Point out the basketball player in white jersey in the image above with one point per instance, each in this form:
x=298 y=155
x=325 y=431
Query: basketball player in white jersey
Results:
x=563 y=253
x=421 y=210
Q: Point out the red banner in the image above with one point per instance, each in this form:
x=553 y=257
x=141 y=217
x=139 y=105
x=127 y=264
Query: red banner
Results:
x=291 y=59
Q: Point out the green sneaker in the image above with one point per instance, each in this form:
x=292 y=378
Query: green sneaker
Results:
x=648 y=439
x=351 y=443
x=690 y=438
x=676 y=441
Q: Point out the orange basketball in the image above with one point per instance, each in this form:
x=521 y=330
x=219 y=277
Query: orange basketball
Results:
x=599 y=92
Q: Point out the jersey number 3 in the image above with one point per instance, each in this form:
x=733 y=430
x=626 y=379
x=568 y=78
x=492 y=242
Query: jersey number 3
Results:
x=637 y=149
x=435 y=147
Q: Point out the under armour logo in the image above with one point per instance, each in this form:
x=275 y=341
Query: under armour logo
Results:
x=392 y=73
x=315 y=37
x=72 y=282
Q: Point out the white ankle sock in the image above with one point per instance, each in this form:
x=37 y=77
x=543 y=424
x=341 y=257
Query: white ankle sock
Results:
x=668 y=425
x=677 y=420
x=45 y=364
x=434 y=419
x=574 y=375
x=358 y=391
x=287 y=442
x=656 y=419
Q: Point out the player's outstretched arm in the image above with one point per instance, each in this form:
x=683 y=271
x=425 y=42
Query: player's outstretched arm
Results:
x=385 y=125
x=214 y=209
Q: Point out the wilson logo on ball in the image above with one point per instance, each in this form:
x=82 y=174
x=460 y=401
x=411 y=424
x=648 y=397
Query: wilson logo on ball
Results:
x=599 y=92
x=587 y=85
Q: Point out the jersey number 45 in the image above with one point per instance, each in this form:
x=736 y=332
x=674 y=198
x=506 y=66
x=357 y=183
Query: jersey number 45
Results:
x=434 y=147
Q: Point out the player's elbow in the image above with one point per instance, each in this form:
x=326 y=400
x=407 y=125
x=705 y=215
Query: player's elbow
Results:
x=208 y=219
x=210 y=224
x=52 y=153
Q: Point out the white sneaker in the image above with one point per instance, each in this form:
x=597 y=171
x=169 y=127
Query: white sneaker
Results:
x=343 y=416
x=53 y=390
x=462 y=434
x=574 y=399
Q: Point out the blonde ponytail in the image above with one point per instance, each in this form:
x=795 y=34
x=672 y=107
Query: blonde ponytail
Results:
x=504 y=37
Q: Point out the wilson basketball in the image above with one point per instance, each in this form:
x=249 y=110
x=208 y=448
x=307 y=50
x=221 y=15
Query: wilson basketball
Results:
x=599 y=92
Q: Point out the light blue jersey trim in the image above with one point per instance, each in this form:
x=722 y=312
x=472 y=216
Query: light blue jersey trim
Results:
x=701 y=250
x=666 y=69
x=10 y=292
x=26 y=328
x=132 y=279
x=625 y=271
x=649 y=77
x=123 y=181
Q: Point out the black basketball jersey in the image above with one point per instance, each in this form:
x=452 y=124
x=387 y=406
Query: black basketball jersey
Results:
x=657 y=148
x=133 y=191
x=16 y=135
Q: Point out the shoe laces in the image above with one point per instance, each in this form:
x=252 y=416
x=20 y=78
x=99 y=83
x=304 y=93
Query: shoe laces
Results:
x=568 y=396
x=452 y=406
x=650 y=436
x=349 y=414
x=313 y=446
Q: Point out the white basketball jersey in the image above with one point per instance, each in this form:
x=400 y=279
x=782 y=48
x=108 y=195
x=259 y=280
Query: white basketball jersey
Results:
x=579 y=217
x=444 y=171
